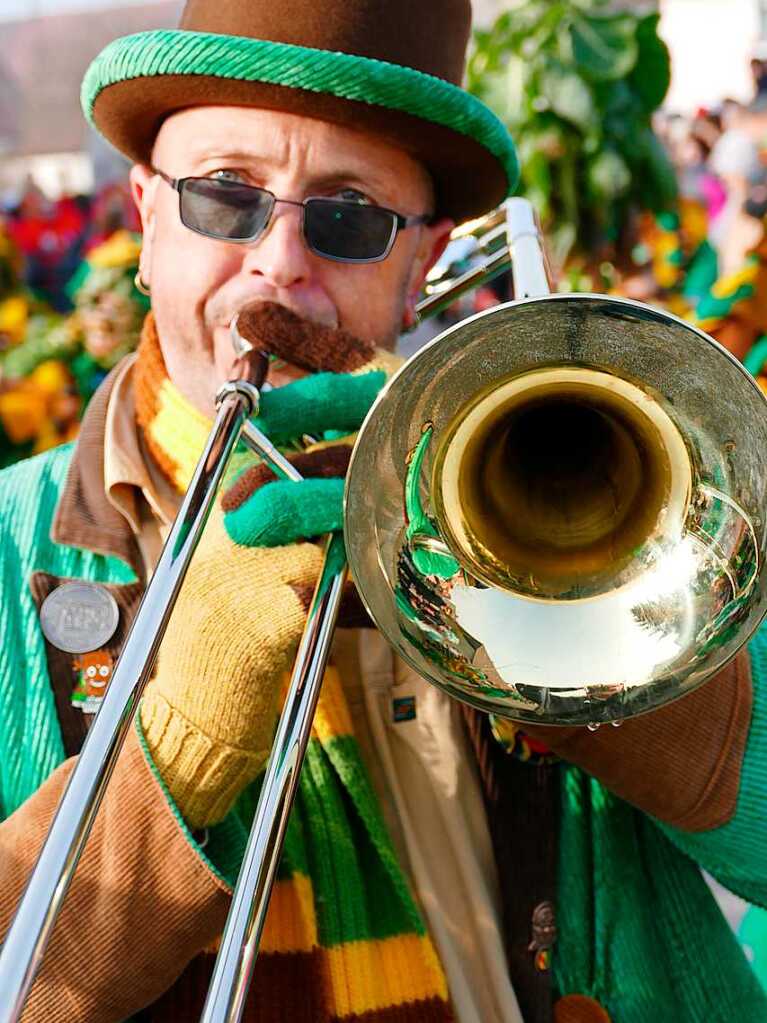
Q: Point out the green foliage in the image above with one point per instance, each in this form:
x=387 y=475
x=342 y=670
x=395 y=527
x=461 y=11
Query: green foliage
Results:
x=577 y=81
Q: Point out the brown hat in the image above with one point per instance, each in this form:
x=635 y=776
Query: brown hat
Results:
x=383 y=66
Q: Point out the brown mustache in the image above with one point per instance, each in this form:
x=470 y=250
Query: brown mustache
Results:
x=272 y=328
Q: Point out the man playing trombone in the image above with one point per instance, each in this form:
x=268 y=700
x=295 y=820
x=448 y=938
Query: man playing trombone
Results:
x=308 y=162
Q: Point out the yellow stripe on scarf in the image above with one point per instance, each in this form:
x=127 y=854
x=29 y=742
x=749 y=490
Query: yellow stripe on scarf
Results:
x=332 y=718
x=291 y=924
x=367 y=975
x=387 y=361
x=180 y=428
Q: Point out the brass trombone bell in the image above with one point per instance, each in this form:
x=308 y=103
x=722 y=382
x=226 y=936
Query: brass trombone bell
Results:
x=567 y=525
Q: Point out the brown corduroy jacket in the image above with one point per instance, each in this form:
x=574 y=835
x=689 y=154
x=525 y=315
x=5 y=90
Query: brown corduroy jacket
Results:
x=144 y=903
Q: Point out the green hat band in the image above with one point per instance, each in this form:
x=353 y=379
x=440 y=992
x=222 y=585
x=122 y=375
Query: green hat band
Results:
x=346 y=76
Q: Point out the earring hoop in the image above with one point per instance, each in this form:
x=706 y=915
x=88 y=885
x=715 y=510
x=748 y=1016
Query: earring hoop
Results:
x=144 y=289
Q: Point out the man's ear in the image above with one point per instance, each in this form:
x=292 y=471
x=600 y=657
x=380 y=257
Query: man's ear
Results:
x=431 y=245
x=143 y=190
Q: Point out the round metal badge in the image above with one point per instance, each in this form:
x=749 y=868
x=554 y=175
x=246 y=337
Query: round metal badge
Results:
x=79 y=617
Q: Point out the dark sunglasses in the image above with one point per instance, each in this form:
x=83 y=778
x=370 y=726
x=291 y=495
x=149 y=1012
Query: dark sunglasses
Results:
x=347 y=232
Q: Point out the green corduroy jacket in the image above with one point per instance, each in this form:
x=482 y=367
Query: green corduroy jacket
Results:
x=638 y=927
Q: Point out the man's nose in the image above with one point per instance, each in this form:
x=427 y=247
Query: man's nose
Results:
x=280 y=254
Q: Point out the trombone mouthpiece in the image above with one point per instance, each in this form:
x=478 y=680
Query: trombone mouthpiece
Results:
x=251 y=365
x=240 y=344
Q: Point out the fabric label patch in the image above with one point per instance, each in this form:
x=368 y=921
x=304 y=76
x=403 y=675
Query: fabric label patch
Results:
x=403 y=708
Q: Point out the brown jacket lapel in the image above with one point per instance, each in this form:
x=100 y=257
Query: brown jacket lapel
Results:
x=84 y=517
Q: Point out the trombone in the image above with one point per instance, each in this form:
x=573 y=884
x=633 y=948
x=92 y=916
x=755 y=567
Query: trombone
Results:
x=551 y=467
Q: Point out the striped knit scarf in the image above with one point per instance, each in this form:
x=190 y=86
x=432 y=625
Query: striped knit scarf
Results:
x=174 y=430
x=344 y=940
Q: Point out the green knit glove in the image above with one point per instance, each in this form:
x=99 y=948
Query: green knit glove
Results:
x=262 y=511
x=317 y=404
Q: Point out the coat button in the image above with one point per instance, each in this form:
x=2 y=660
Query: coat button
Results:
x=579 y=1009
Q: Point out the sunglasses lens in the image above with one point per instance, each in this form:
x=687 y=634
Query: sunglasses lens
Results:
x=347 y=231
x=224 y=209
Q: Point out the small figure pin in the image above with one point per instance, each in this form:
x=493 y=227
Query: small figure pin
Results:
x=544 y=935
x=95 y=671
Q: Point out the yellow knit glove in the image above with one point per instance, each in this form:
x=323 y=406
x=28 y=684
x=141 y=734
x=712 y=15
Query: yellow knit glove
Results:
x=208 y=714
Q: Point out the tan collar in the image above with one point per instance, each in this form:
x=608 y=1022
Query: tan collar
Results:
x=129 y=470
x=85 y=517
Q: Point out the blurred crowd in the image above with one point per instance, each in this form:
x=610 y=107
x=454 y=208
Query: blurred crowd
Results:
x=707 y=259
x=720 y=156
x=52 y=236
x=68 y=309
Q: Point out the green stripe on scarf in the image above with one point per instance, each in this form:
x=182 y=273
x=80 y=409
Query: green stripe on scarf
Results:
x=360 y=891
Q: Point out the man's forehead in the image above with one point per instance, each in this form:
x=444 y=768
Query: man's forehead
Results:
x=272 y=140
